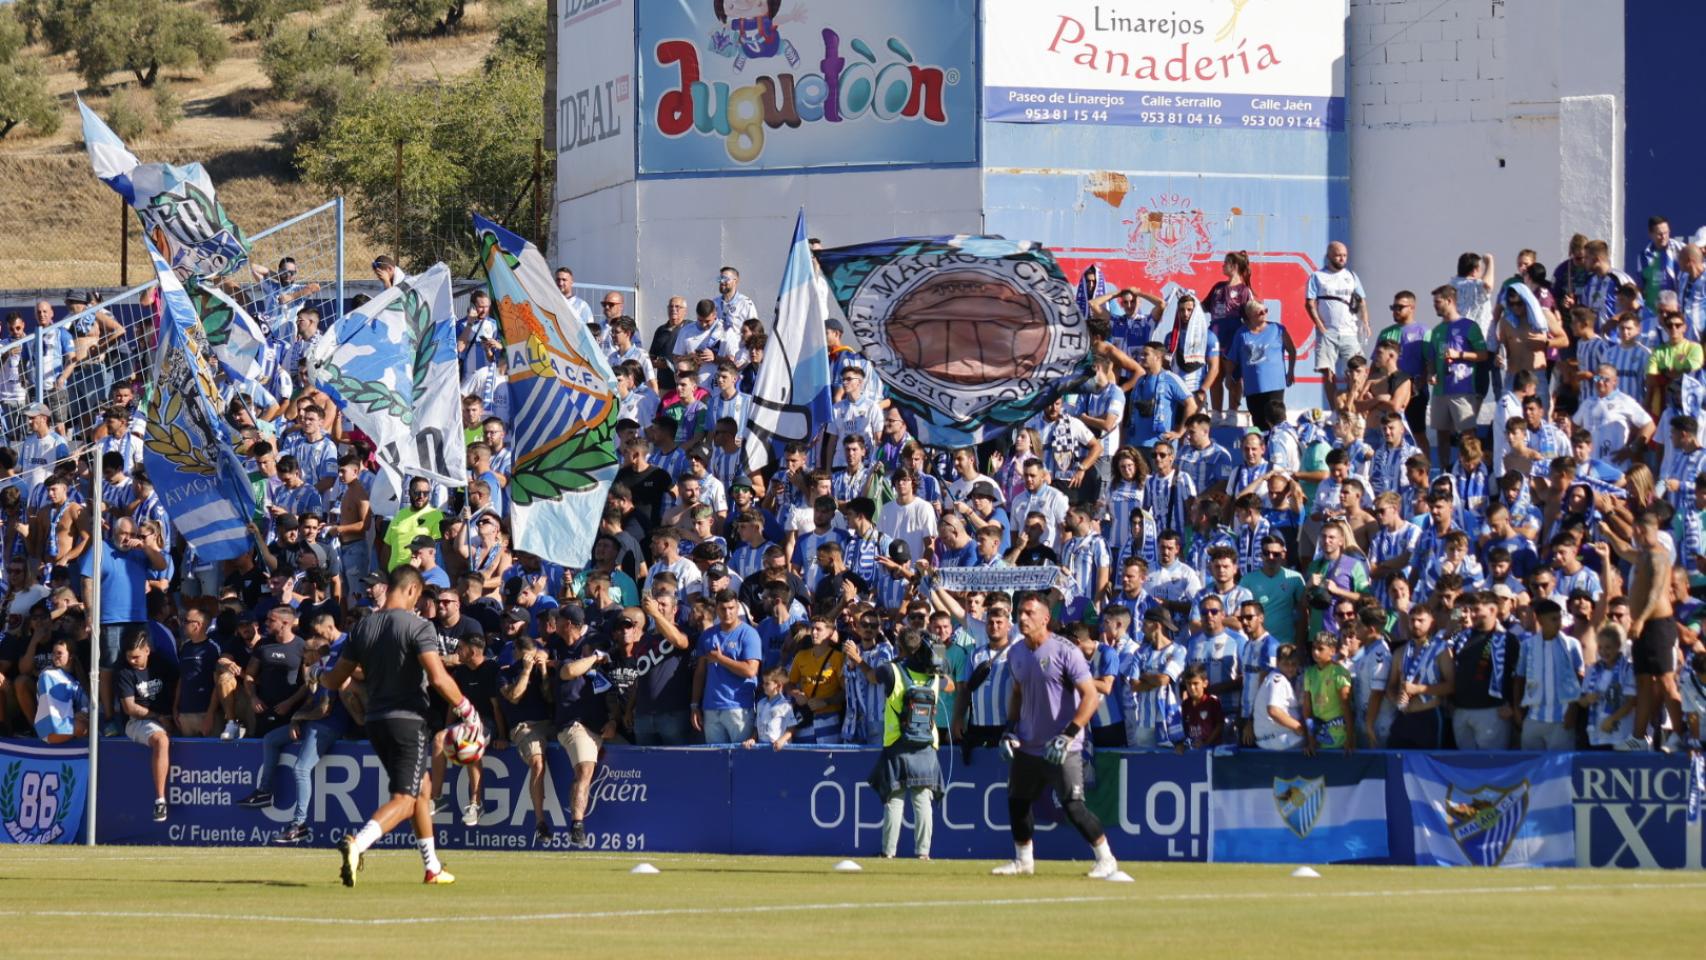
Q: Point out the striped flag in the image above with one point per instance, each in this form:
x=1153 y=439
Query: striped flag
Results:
x=187 y=450
x=791 y=398
x=1286 y=807
x=180 y=212
x=1516 y=815
x=235 y=340
x=563 y=400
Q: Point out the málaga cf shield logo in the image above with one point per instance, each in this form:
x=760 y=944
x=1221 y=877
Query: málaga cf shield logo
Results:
x=1485 y=820
x=1299 y=801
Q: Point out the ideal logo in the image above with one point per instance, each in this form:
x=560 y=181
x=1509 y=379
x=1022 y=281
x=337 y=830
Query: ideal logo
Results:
x=1299 y=801
x=32 y=802
x=1485 y=820
x=592 y=115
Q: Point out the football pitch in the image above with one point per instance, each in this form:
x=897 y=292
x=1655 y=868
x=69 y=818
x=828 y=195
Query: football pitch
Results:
x=157 y=901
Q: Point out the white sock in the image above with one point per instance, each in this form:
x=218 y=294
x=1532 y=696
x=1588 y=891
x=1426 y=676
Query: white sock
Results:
x=1104 y=854
x=367 y=836
x=1022 y=852
x=429 y=856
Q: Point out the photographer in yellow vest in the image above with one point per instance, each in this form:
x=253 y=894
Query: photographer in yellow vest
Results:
x=912 y=683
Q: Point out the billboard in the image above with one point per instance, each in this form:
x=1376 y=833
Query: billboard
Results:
x=1215 y=64
x=770 y=85
x=595 y=95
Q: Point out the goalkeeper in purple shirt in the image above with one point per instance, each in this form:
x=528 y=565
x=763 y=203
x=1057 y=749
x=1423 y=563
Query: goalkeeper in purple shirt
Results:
x=1053 y=699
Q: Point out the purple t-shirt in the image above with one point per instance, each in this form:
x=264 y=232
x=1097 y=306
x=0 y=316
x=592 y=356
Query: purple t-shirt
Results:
x=1047 y=678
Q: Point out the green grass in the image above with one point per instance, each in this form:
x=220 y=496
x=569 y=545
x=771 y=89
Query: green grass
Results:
x=160 y=901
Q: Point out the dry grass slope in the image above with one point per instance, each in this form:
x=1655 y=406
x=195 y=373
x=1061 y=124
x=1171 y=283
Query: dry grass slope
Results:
x=62 y=225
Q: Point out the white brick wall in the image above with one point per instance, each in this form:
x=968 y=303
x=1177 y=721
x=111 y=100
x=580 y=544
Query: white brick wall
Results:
x=1420 y=61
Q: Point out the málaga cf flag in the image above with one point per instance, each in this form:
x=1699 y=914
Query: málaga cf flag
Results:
x=390 y=366
x=201 y=483
x=791 y=399
x=1286 y=807
x=1512 y=815
x=180 y=212
x=972 y=335
x=562 y=401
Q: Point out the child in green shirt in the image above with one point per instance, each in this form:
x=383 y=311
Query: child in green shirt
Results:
x=1327 y=699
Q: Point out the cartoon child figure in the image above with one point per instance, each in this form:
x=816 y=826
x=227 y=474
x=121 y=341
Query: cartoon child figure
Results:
x=750 y=29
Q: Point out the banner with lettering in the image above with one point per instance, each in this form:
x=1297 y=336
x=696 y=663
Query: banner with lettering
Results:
x=1231 y=64
x=1004 y=579
x=42 y=792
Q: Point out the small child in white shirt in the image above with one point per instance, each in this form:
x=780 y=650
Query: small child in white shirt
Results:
x=773 y=717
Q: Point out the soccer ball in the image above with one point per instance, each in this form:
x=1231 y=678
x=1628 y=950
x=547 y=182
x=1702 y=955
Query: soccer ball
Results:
x=468 y=743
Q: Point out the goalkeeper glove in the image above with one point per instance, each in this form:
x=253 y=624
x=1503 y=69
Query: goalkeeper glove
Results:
x=1057 y=748
x=466 y=713
x=1009 y=746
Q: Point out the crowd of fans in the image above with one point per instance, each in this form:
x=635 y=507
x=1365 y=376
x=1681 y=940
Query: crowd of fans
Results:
x=1489 y=537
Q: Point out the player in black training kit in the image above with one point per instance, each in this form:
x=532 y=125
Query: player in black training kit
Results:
x=398 y=651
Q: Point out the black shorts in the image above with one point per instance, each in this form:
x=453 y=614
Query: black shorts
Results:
x=1031 y=775
x=404 y=748
x=1655 y=648
x=1416 y=411
x=1423 y=730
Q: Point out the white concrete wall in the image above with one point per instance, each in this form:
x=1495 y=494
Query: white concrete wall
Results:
x=687 y=229
x=1467 y=134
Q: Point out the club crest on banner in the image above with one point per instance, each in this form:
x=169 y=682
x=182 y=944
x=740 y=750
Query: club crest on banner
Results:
x=1166 y=234
x=1299 y=801
x=1484 y=820
x=32 y=802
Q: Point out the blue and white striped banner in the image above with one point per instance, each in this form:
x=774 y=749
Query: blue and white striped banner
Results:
x=187 y=451
x=1515 y=815
x=1286 y=807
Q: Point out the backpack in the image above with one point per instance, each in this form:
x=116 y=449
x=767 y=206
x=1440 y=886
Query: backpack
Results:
x=917 y=709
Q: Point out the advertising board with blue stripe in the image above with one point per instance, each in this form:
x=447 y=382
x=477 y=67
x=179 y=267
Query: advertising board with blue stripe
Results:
x=1291 y=808
x=673 y=800
x=767 y=85
x=816 y=802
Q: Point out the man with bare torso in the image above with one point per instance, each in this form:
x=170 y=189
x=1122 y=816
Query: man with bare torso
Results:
x=355 y=514
x=1653 y=630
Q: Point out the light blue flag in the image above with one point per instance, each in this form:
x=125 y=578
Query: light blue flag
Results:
x=1286 y=807
x=1515 y=815
x=562 y=399
x=237 y=341
x=791 y=397
x=179 y=210
x=188 y=453
x=390 y=366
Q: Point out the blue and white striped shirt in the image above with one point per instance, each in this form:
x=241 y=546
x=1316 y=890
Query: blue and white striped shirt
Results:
x=1125 y=497
x=1201 y=543
x=1421 y=665
x=862 y=719
x=317 y=458
x=989 y=699
x=1108 y=662
x=737 y=407
x=1631 y=362
x=1615 y=686
x=1472 y=486
x=1386 y=469
x=1155 y=705
x=1386 y=545
x=1255 y=659
x=1245 y=475
x=1552 y=670
x=746 y=559
x=1683 y=467
x=301 y=501
x=1165 y=497
x=1206 y=467
x=1219 y=655
x=1087 y=558
x=1249 y=537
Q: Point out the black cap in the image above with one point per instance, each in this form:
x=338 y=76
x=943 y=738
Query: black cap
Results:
x=517 y=615
x=899 y=552
x=422 y=542
x=716 y=571
x=286 y=522
x=574 y=613
x=371 y=579
x=1161 y=616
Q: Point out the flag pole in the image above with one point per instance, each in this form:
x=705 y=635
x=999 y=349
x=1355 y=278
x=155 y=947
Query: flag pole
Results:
x=96 y=544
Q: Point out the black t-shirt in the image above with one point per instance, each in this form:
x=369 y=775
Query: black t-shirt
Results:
x=661 y=675
x=449 y=637
x=150 y=690
x=581 y=699
x=480 y=685
x=487 y=613
x=534 y=704
x=248 y=585
x=278 y=674
x=649 y=489
x=308 y=609
x=1474 y=663
x=1037 y=555
x=388 y=645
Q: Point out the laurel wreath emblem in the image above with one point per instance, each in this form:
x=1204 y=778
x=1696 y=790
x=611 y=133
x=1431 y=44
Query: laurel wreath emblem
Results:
x=172 y=443
x=9 y=792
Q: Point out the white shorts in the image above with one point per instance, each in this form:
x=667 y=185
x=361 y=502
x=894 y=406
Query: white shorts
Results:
x=141 y=731
x=1333 y=348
